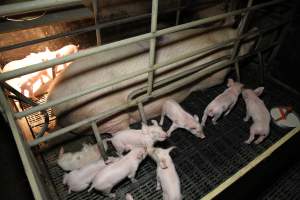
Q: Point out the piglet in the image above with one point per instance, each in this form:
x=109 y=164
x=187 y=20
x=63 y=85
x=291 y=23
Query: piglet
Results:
x=223 y=102
x=79 y=179
x=114 y=173
x=260 y=115
x=146 y=137
x=71 y=161
x=128 y=196
x=180 y=118
x=65 y=51
x=167 y=177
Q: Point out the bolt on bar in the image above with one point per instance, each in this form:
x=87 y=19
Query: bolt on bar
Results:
x=152 y=49
x=113 y=82
x=94 y=50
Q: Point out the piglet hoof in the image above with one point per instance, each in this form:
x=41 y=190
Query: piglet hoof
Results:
x=245 y=119
x=158 y=188
x=247 y=142
x=112 y=195
x=133 y=180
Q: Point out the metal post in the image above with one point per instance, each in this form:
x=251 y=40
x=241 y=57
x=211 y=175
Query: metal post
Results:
x=236 y=47
x=23 y=149
x=178 y=12
x=142 y=113
x=152 y=44
x=99 y=141
x=237 y=70
x=96 y=5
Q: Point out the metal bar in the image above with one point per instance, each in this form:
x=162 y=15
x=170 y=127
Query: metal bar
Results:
x=152 y=49
x=91 y=51
x=99 y=141
x=123 y=107
x=23 y=150
x=31 y=6
x=171 y=78
x=109 y=83
x=49 y=18
x=212 y=194
x=237 y=71
x=142 y=113
x=79 y=31
x=236 y=47
x=96 y=16
x=178 y=12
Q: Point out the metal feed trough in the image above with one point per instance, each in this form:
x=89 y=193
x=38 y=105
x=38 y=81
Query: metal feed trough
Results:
x=20 y=126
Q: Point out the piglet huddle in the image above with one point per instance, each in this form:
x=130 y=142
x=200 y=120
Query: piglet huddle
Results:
x=88 y=169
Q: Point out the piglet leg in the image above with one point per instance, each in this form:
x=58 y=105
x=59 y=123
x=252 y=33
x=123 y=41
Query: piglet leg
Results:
x=172 y=128
x=229 y=109
x=259 y=139
x=162 y=118
x=250 y=139
x=132 y=177
x=158 y=186
x=247 y=117
x=216 y=117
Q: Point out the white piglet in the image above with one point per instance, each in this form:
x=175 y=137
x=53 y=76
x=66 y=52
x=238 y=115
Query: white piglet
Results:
x=71 y=161
x=114 y=173
x=223 y=102
x=79 y=179
x=167 y=177
x=180 y=118
x=260 y=115
x=146 y=137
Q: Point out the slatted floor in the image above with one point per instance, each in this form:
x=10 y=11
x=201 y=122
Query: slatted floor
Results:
x=201 y=164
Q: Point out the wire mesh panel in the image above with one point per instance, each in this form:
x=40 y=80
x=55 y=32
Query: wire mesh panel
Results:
x=201 y=164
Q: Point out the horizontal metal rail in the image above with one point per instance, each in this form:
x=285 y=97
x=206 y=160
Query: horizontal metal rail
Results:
x=140 y=72
x=94 y=50
x=31 y=6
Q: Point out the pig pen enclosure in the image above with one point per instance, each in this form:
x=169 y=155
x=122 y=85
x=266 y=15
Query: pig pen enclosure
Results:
x=205 y=167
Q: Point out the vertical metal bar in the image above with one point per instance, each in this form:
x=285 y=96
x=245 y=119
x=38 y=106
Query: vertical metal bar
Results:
x=96 y=16
x=99 y=141
x=152 y=44
x=178 y=12
x=237 y=70
x=238 y=42
x=142 y=113
x=23 y=149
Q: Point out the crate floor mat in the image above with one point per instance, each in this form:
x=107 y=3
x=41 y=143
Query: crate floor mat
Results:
x=201 y=164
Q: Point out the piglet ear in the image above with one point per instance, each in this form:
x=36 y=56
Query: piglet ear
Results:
x=61 y=152
x=163 y=163
x=230 y=82
x=154 y=122
x=258 y=91
x=196 y=118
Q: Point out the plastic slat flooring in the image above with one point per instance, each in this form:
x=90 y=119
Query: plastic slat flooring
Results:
x=287 y=186
x=200 y=164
